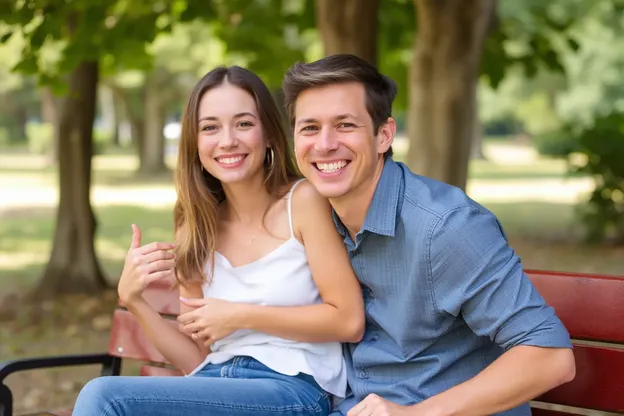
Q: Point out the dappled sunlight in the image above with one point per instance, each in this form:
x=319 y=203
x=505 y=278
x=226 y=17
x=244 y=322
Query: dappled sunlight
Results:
x=569 y=191
x=513 y=172
x=21 y=259
x=111 y=249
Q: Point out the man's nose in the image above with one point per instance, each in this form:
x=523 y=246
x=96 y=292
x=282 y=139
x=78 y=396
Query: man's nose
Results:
x=326 y=142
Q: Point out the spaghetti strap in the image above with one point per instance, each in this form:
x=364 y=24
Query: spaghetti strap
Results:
x=290 y=221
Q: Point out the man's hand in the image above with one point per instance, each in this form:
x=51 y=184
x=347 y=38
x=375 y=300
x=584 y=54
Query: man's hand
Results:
x=211 y=320
x=374 y=405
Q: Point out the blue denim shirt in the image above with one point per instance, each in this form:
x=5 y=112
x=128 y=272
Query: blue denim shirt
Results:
x=445 y=294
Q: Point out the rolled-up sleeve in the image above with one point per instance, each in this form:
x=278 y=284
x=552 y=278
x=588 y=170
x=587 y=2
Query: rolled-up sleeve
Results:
x=476 y=274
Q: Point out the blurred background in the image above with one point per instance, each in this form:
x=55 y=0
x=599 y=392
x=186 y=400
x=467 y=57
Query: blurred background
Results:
x=520 y=103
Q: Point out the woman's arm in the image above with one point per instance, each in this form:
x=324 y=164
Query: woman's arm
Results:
x=341 y=315
x=180 y=350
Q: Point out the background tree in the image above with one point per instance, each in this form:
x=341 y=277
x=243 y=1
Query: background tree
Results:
x=349 y=26
x=88 y=32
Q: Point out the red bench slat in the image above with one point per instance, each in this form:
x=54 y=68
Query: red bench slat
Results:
x=535 y=411
x=150 y=370
x=162 y=297
x=128 y=340
x=591 y=307
x=599 y=381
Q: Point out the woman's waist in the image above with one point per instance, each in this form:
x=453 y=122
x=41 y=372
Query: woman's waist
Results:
x=262 y=341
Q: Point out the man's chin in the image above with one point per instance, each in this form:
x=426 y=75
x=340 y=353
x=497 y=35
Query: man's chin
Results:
x=331 y=190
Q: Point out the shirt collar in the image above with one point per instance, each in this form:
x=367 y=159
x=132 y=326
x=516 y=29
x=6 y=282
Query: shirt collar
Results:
x=384 y=208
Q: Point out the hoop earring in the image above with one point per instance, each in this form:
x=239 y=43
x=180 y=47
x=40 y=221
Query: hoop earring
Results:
x=271 y=158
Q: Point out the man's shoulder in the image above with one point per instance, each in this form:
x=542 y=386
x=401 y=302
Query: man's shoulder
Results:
x=424 y=196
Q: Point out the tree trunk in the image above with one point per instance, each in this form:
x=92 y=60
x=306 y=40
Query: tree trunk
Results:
x=136 y=122
x=349 y=26
x=152 y=145
x=443 y=86
x=107 y=111
x=73 y=266
x=49 y=114
x=118 y=121
x=476 y=152
x=21 y=119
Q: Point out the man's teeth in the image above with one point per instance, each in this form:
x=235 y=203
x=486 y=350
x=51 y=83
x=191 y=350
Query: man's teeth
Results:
x=331 y=167
x=230 y=160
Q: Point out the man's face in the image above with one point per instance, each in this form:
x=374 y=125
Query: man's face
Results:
x=336 y=147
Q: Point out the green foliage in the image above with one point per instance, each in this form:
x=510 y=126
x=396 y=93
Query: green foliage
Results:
x=267 y=36
x=115 y=32
x=40 y=138
x=531 y=34
x=557 y=144
x=602 y=144
x=594 y=73
x=397 y=27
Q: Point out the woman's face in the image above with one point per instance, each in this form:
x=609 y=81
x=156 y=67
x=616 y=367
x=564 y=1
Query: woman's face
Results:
x=231 y=143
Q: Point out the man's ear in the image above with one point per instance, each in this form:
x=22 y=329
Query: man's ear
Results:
x=385 y=135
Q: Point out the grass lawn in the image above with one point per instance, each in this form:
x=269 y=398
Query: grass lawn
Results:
x=533 y=198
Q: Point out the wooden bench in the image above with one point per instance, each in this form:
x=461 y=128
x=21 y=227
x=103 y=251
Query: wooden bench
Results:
x=591 y=307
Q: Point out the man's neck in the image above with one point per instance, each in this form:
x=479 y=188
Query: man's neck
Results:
x=352 y=208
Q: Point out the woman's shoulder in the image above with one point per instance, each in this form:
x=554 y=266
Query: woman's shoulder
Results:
x=308 y=205
x=303 y=192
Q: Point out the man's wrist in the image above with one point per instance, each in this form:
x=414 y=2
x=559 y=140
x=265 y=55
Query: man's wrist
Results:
x=436 y=406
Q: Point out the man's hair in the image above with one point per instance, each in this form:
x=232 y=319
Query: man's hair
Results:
x=335 y=69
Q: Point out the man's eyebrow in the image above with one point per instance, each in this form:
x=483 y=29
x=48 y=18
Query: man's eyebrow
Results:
x=307 y=120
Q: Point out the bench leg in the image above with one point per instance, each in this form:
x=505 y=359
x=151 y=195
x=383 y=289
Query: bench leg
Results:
x=6 y=401
x=113 y=368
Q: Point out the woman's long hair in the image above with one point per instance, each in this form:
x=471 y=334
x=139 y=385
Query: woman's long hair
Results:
x=199 y=193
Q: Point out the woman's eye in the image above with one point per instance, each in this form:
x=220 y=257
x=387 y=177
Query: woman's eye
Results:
x=209 y=128
x=245 y=124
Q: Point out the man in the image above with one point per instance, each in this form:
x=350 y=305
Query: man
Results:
x=454 y=326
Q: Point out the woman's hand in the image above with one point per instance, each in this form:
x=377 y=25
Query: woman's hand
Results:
x=144 y=265
x=211 y=319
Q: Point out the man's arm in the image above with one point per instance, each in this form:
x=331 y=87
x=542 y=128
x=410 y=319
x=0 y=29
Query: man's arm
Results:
x=475 y=274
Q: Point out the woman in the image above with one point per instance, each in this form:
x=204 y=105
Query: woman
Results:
x=266 y=287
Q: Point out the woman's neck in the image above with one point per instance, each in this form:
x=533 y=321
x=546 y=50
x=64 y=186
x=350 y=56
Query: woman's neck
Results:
x=246 y=202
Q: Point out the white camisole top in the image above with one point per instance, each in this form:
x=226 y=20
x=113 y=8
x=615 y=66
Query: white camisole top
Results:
x=280 y=278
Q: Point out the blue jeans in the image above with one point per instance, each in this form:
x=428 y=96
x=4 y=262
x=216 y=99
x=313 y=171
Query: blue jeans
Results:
x=241 y=386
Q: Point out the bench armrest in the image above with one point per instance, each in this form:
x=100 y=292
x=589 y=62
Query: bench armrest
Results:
x=111 y=366
x=23 y=364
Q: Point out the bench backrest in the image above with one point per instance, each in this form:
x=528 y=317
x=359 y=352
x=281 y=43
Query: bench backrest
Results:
x=590 y=306
x=128 y=341
x=592 y=309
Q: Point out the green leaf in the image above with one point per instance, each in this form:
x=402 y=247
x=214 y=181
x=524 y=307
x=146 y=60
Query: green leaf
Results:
x=6 y=37
x=27 y=65
x=573 y=44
